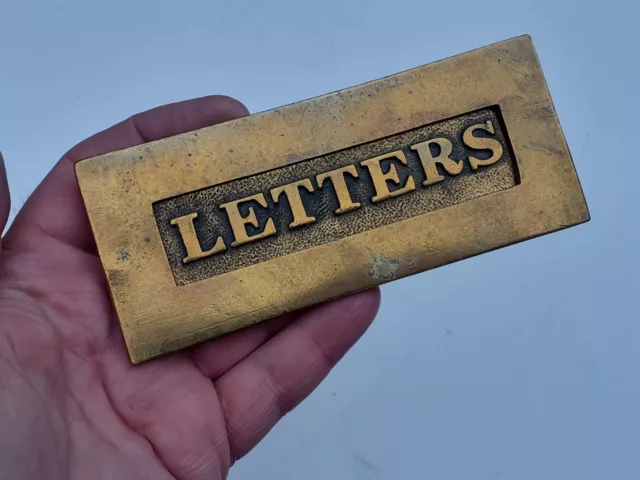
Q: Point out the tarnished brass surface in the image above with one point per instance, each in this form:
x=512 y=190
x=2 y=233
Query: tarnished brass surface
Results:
x=214 y=230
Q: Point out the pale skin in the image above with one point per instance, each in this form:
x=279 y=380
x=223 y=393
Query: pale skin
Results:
x=71 y=404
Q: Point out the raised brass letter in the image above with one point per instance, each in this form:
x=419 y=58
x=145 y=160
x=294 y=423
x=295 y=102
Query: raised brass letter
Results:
x=292 y=192
x=381 y=179
x=480 y=143
x=338 y=179
x=190 y=239
x=239 y=223
x=444 y=158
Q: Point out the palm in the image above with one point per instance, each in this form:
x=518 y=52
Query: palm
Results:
x=71 y=404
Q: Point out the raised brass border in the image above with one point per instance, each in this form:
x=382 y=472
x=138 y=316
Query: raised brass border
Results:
x=158 y=317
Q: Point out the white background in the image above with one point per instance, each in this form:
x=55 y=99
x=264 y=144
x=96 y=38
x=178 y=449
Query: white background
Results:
x=518 y=364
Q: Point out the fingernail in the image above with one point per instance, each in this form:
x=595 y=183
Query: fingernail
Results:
x=3 y=168
x=5 y=199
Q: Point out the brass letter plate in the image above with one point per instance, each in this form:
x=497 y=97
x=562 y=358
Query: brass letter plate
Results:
x=214 y=230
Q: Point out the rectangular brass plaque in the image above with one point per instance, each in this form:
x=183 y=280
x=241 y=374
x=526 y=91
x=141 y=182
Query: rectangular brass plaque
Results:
x=237 y=223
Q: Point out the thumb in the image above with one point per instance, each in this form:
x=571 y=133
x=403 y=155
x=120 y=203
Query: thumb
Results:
x=5 y=199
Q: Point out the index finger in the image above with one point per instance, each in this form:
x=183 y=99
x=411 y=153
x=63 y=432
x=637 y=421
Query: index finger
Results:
x=55 y=208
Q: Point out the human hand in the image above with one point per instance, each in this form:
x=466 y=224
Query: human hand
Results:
x=71 y=404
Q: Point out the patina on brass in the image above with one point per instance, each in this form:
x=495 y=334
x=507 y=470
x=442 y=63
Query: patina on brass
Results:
x=237 y=223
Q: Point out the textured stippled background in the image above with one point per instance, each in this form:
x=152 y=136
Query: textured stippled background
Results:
x=322 y=203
